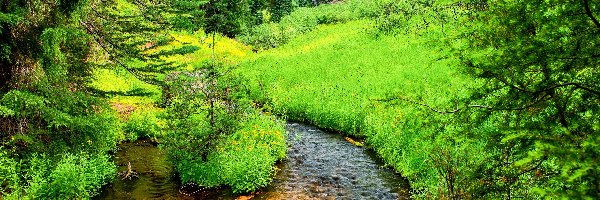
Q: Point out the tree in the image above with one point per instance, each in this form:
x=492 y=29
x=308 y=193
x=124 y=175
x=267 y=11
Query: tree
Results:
x=227 y=17
x=540 y=104
x=23 y=32
x=44 y=61
x=127 y=29
x=124 y=30
x=281 y=8
x=310 y=3
x=46 y=111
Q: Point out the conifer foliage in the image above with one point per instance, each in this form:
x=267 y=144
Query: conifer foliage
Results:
x=48 y=119
x=539 y=106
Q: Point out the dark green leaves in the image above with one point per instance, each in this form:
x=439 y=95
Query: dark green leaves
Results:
x=539 y=59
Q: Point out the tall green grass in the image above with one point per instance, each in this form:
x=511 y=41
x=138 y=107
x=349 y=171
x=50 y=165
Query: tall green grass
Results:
x=333 y=75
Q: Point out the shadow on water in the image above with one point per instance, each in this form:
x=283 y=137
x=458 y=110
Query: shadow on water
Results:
x=155 y=176
x=319 y=165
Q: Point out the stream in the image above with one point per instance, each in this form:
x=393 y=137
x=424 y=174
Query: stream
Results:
x=320 y=165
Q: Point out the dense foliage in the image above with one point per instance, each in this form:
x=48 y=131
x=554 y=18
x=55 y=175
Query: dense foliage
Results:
x=304 y=19
x=48 y=120
x=55 y=130
x=217 y=138
x=539 y=106
x=521 y=123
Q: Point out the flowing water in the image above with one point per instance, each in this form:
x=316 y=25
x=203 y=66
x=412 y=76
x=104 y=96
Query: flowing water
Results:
x=320 y=165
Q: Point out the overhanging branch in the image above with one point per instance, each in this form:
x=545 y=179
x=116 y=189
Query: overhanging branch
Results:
x=588 y=12
x=105 y=43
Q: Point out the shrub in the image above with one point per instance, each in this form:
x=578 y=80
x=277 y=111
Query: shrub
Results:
x=248 y=170
x=53 y=121
x=302 y=20
x=216 y=137
x=244 y=160
x=9 y=173
x=72 y=176
x=84 y=123
x=78 y=176
x=144 y=124
x=264 y=36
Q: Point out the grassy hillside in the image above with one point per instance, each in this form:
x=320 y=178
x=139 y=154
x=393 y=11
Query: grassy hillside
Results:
x=338 y=77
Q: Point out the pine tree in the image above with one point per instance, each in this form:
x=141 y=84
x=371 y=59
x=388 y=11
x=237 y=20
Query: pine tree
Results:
x=539 y=106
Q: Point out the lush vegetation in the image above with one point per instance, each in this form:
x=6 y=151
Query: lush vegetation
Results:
x=540 y=111
x=54 y=135
x=467 y=99
x=78 y=77
x=480 y=99
x=312 y=79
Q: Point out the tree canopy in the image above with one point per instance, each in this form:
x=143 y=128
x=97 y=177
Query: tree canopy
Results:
x=540 y=100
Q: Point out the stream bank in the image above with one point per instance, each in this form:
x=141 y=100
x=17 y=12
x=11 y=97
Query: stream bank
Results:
x=319 y=165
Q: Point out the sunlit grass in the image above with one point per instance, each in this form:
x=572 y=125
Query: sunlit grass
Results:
x=124 y=88
x=334 y=75
x=226 y=50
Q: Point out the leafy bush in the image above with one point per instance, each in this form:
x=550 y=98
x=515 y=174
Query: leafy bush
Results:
x=302 y=20
x=70 y=176
x=85 y=123
x=75 y=176
x=144 y=124
x=9 y=173
x=255 y=149
x=422 y=16
x=243 y=160
x=264 y=36
x=215 y=136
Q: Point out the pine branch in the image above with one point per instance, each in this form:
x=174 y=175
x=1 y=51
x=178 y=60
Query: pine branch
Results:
x=589 y=13
x=102 y=42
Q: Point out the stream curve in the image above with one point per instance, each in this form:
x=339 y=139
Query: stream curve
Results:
x=319 y=165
